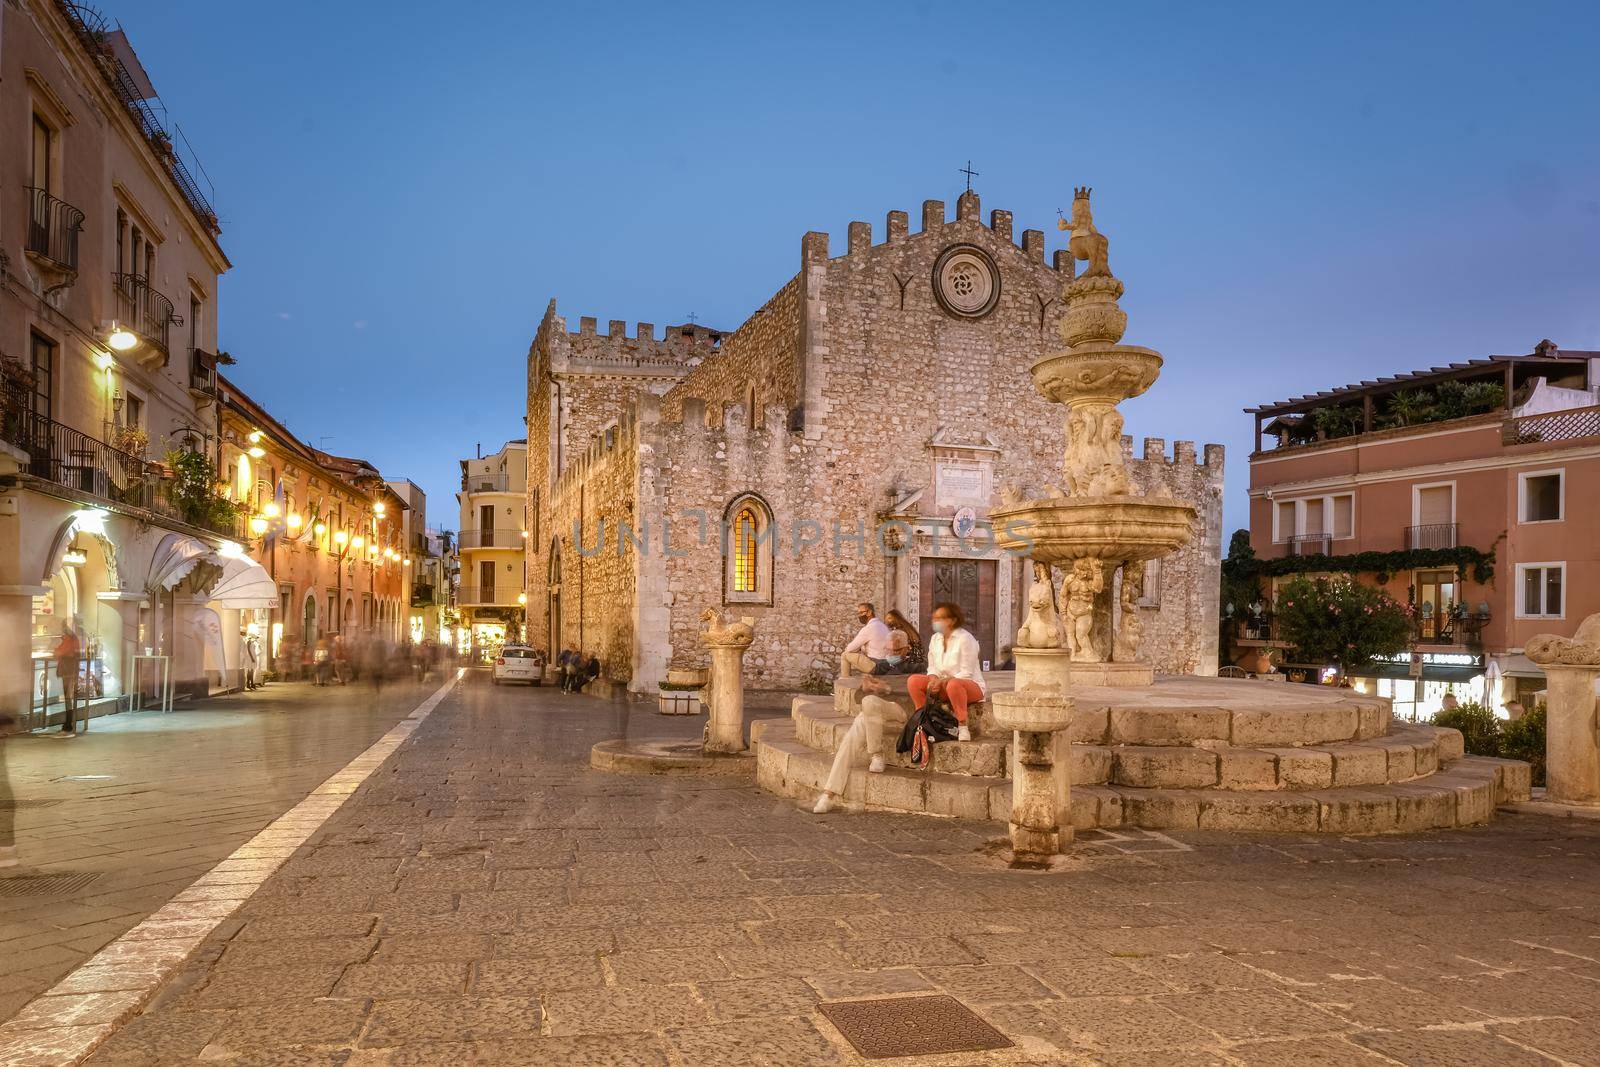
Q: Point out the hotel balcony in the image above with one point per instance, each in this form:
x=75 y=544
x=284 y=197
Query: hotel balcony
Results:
x=1309 y=545
x=488 y=596
x=500 y=539
x=1433 y=535
x=53 y=228
x=147 y=313
x=488 y=483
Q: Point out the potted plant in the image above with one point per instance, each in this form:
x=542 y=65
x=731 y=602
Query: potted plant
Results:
x=678 y=698
x=133 y=440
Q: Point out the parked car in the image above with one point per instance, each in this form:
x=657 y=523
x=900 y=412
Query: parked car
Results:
x=519 y=663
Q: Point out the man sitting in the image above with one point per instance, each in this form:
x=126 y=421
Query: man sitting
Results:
x=582 y=671
x=870 y=644
x=866 y=733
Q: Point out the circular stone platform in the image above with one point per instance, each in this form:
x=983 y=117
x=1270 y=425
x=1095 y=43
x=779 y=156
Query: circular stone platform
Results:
x=625 y=756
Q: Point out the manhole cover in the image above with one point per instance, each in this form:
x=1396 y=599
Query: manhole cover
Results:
x=911 y=1026
x=39 y=885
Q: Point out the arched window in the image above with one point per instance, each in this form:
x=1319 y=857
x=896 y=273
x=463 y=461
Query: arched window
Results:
x=747 y=561
x=751 y=413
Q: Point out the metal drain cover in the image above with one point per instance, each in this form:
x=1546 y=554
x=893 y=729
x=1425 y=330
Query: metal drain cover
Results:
x=911 y=1026
x=39 y=885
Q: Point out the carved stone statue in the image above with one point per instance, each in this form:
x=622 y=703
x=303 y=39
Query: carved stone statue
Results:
x=1042 y=628
x=1086 y=242
x=1010 y=495
x=720 y=631
x=1094 y=464
x=1082 y=586
x=1582 y=649
x=1130 y=631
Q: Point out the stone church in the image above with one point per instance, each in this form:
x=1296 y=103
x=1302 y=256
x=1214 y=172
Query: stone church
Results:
x=845 y=443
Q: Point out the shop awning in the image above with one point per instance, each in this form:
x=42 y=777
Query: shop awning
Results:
x=244 y=584
x=175 y=557
x=1516 y=665
x=1431 y=672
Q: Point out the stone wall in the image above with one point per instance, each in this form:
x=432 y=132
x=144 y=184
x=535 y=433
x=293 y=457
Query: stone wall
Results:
x=759 y=354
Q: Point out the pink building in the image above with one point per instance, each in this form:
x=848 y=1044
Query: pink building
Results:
x=1476 y=475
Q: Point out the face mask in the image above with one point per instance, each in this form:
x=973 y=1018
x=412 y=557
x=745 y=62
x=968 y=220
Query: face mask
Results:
x=941 y=625
x=892 y=658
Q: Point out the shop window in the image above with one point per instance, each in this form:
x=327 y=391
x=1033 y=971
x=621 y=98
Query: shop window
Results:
x=1543 y=496
x=1539 y=590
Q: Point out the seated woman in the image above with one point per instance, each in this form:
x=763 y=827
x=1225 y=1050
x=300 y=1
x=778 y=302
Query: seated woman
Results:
x=915 y=653
x=866 y=733
x=952 y=656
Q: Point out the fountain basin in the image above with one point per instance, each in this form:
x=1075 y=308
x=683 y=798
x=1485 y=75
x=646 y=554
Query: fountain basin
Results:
x=1043 y=711
x=1094 y=370
x=1059 y=530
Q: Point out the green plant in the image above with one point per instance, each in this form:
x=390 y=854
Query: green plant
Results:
x=679 y=687
x=1480 y=397
x=194 y=492
x=1480 y=730
x=1341 y=420
x=1340 y=621
x=817 y=683
x=1523 y=739
x=1409 y=407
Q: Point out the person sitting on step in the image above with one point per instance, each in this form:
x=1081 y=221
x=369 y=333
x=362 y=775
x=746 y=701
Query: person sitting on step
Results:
x=866 y=732
x=868 y=646
x=952 y=656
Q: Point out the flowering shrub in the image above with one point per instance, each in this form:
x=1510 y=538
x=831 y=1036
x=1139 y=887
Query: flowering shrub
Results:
x=1341 y=622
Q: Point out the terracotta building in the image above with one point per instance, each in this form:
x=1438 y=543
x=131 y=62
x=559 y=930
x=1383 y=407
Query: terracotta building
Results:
x=1474 y=476
x=109 y=262
x=329 y=531
x=845 y=443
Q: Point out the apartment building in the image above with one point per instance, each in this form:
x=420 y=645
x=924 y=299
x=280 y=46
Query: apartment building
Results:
x=492 y=596
x=110 y=523
x=1461 y=491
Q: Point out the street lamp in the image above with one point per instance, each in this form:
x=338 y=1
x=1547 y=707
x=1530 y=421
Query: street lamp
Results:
x=258 y=525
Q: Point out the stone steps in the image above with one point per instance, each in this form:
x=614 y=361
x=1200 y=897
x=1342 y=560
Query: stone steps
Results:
x=1464 y=793
x=1402 y=754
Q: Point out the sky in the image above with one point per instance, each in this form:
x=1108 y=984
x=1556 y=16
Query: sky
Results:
x=1297 y=196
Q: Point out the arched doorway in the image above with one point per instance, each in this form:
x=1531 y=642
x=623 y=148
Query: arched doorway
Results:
x=553 y=606
x=308 y=622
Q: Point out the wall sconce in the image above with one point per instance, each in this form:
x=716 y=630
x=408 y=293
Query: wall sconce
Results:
x=121 y=338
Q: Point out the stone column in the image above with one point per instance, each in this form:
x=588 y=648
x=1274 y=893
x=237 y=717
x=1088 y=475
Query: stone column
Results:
x=727 y=642
x=1041 y=786
x=1572 y=747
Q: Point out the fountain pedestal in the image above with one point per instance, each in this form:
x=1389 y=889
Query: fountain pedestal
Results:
x=1047 y=667
x=1041 y=786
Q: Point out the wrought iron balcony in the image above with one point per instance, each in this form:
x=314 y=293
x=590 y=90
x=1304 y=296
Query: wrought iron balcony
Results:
x=53 y=228
x=144 y=311
x=202 y=374
x=1455 y=626
x=1309 y=545
x=1433 y=535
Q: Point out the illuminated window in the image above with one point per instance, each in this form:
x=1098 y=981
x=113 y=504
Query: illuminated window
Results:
x=748 y=551
x=744 y=550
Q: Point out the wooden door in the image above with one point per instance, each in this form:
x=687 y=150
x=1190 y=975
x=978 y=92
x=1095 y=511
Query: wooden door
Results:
x=967 y=582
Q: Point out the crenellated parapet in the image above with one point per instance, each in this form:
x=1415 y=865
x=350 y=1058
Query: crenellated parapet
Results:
x=619 y=347
x=814 y=246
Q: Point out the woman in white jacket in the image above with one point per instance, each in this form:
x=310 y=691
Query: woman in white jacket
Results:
x=954 y=668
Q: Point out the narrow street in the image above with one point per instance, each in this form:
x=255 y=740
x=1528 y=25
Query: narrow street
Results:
x=486 y=898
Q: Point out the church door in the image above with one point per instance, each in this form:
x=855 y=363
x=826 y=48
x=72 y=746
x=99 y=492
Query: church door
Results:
x=967 y=582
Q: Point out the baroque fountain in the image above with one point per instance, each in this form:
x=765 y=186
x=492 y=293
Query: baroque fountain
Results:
x=1089 y=737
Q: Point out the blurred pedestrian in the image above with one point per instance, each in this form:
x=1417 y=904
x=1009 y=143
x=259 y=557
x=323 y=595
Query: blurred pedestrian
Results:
x=8 y=804
x=68 y=653
x=252 y=661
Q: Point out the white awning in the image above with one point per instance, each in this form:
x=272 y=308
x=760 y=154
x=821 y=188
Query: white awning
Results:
x=244 y=584
x=175 y=557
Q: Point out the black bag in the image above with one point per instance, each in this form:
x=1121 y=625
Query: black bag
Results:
x=934 y=723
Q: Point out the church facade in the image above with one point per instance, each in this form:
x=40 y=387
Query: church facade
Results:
x=845 y=443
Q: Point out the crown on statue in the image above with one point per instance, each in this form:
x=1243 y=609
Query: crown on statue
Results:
x=1081 y=192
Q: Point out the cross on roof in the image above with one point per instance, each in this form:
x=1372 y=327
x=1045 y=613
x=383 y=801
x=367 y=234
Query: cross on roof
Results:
x=969 y=172
x=691 y=318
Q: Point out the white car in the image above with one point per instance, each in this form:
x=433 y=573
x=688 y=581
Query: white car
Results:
x=519 y=663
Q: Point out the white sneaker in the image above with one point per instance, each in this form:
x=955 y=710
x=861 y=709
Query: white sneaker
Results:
x=963 y=734
x=8 y=856
x=824 y=804
x=876 y=765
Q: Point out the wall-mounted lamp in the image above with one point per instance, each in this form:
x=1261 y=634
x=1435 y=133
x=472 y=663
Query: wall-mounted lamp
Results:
x=121 y=338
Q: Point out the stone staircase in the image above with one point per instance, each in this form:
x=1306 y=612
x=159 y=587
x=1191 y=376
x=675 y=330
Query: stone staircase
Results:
x=1185 y=754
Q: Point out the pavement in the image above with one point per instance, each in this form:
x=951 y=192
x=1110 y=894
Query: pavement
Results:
x=485 y=897
x=137 y=807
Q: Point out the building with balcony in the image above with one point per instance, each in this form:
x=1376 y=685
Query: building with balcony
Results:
x=492 y=596
x=110 y=519
x=1458 y=490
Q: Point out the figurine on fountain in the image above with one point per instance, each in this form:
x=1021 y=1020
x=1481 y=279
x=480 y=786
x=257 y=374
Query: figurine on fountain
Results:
x=1042 y=628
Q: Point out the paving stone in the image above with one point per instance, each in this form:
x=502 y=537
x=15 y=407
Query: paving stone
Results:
x=987 y=982
x=1447 y=1048
x=1306 y=1052
x=1243 y=1014
x=750 y=998
x=624 y=1010
x=396 y=1021
x=853 y=985
x=232 y=986
x=687 y=964
x=1100 y=1024
x=409 y=979
x=765 y=1042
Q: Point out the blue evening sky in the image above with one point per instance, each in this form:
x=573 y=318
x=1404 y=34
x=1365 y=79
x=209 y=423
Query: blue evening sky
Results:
x=1297 y=196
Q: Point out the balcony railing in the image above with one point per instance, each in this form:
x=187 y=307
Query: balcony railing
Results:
x=486 y=483
x=501 y=595
x=74 y=460
x=1455 y=626
x=53 y=228
x=144 y=310
x=492 y=539
x=1309 y=545
x=1432 y=535
x=1571 y=425
x=202 y=371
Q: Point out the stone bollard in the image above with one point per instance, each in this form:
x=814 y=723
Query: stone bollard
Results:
x=1041 y=785
x=1572 y=749
x=727 y=642
x=1572 y=739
